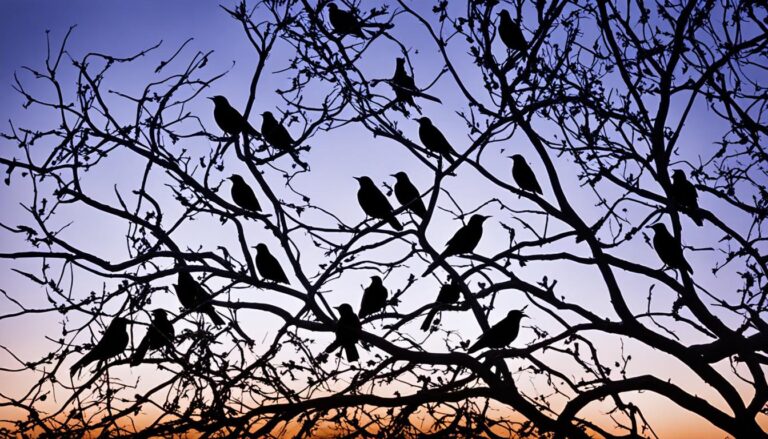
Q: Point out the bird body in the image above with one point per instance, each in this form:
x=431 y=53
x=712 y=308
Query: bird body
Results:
x=277 y=136
x=686 y=196
x=228 y=119
x=463 y=241
x=434 y=140
x=524 y=176
x=501 y=334
x=374 y=203
x=348 y=329
x=449 y=293
x=407 y=195
x=268 y=265
x=160 y=334
x=510 y=33
x=194 y=297
x=374 y=298
x=243 y=195
x=344 y=22
x=403 y=83
x=112 y=343
x=668 y=250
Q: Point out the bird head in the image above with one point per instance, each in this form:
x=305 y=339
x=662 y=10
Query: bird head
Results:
x=160 y=314
x=478 y=219
x=424 y=120
x=119 y=322
x=267 y=115
x=401 y=62
x=375 y=280
x=400 y=176
x=219 y=100
x=504 y=14
x=261 y=247
x=678 y=174
x=345 y=308
x=517 y=157
x=659 y=227
x=332 y=6
x=236 y=177
x=516 y=314
x=364 y=181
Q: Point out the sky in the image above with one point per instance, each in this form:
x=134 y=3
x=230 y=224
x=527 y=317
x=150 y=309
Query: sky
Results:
x=125 y=27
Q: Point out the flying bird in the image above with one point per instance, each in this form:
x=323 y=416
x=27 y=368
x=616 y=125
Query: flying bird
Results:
x=464 y=241
x=278 y=137
x=344 y=22
x=686 y=196
x=374 y=298
x=668 y=250
x=405 y=87
x=228 y=119
x=449 y=293
x=501 y=334
x=160 y=334
x=194 y=297
x=243 y=195
x=407 y=195
x=268 y=266
x=434 y=140
x=523 y=175
x=374 y=203
x=348 y=329
x=511 y=34
x=112 y=343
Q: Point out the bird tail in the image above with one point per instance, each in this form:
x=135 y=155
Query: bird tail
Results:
x=141 y=352
x=695 y=215
x=426 y=96
x=428 y=320
x=351 y=351
x=215 y=317
x=81 y=363
x=395 y=223
x=433 y=265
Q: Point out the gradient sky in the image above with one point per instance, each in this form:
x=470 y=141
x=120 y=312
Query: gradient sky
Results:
x=125 y=27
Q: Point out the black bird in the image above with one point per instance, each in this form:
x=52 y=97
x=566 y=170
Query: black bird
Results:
x=686 y=196
x=669 y=252
x=194 y=297
x=112 y=343
x=434 y=140
x=449 y=293
x=228 y=119
x=374 y=203
x=243 y=195
x=523 y=175
x=348 y=330
x=464 y=241
x=268 y=266
x=510 y=33
x=278 y=136
x=344 y=22
x=374 y=298
x=501 y=334
x=160 y=334
x=407 y=195
x=405 y=86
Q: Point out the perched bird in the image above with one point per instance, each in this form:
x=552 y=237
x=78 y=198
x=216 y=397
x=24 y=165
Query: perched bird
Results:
x=405 y=86
x=374 y=298
x=501 y=334
x=407 y=195
x=160 y=334
x=268 y=266
x=449 y=293
x=523 y=175
x=669 y=252
x=228 y=119
x=278 y=137
x=686 y=196
x=348 y=330
x=194 y=297
x=434 y=140
x=344 y=22
x=112 y=343
x=374 y=203
x=510 y=33
x=243 y=195
x=464 y=241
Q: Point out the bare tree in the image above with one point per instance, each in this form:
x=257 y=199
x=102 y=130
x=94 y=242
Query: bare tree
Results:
x=622 y=112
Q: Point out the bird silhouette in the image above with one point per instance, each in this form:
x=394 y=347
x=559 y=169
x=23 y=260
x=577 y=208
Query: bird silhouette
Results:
x=449 y=293
x=112 y=343
x=463 y=241
x=268 y=266
x=407 y=195
x=686 y=196
x=194 y=297
x=344 y=22
x=348 y=329
x=243 y=195
x=434 y=140
x=510 y=33
x=374 y=203
x=160 y=334
x=374 y=298
x=501 y=334
x=523 y=175
x=278 y=137
x=228 y=119
x=405 y=87
x=669 y=252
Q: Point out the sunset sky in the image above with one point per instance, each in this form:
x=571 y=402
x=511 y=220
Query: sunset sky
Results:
x=126 y=27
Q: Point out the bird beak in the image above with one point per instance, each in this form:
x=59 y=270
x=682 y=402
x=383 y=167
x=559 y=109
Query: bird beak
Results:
x=356 y=178
x=393 y=175
x=209 y=98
